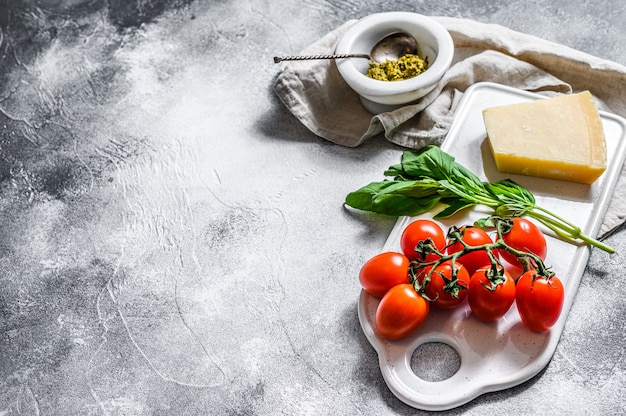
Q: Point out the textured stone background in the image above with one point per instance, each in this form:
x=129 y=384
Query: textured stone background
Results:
x=173 y=242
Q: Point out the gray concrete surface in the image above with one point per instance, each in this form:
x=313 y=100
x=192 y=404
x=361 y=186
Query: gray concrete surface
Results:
x=173 y=241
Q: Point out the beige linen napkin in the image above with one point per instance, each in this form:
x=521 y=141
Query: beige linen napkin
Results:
x=317 y=95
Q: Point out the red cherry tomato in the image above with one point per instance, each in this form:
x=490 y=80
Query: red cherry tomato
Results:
x=421 y=230
x=384 y=271
x=444 y=291
x=400 y=312
x=487 y=303
x=472 y=236
x=539 y=300
x=524 y=236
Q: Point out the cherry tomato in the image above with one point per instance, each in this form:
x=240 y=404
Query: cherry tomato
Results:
x=524 y=236
x=444 y=291
x=490 y=304
x=539 y=300
x=472 y=236
x=400 y=312
x=420 y=230
x=384 y=271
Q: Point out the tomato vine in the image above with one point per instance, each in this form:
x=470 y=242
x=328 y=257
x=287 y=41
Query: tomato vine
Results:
x=529 y=260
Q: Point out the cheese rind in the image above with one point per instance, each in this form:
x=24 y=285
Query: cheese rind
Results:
x=556 y=138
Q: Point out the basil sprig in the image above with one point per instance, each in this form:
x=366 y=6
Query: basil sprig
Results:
x=429 y=177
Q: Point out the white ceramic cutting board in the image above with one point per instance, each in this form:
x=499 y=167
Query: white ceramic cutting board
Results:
x=503 y=354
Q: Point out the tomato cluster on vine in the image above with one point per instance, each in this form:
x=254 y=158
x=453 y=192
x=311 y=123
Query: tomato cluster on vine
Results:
x=445 y=270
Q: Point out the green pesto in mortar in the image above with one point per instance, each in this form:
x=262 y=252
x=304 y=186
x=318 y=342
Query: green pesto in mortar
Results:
x=407 y=66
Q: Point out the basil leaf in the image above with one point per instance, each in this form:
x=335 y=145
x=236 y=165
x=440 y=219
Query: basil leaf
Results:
x=400 y=205
x=395 y=197
x=454 y=205
x=413 y=188
x=432 y=162
x=508 y=191
x=363 y=198
x=396 y=172
x=428 y=162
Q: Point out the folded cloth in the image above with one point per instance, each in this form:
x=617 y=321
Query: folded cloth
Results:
x=316 y=94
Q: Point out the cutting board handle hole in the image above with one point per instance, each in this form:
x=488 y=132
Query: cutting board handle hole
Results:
x=435 y=361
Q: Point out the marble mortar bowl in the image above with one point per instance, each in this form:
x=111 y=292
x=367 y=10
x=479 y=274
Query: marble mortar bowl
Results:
x=434 y=42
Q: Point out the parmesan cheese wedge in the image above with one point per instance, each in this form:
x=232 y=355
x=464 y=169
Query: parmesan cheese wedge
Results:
x=556 y=138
